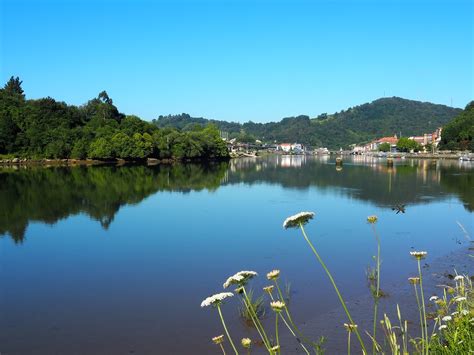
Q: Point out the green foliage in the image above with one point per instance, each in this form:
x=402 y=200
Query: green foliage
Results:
x=407 y=145
x=46 y=128
x=459 y=133
x=384 y=147
x=383 y=117
x=257 y=305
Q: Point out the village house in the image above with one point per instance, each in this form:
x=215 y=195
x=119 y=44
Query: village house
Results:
x=290 y=147
x=374 y=145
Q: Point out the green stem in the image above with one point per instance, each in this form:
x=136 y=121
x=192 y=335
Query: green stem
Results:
x=222 y=348
x=424 y=309
x=287 y=311
x=291 y=330
x=421 y=320
x=377 y=293
x=276 y=331
x=335 y=287
x=225 y=328
x=349 y=343
x=255 y=320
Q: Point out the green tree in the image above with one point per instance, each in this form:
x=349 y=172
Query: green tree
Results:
x=459 y=133
x=13 y=87
x=101 y=148
x=407 y=145
x=384 y=147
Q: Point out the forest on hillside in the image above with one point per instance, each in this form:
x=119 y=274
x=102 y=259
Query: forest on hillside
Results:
x=46 y=128
x=459 y=133
x=359 y=124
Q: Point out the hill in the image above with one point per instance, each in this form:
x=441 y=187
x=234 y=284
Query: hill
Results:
x=459 y=133
x=382 y=117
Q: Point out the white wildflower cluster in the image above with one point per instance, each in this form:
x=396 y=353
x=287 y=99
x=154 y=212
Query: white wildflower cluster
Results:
x=446 y=318
x=350 y=327
x=459 y=278
x=460 y=299
x=273 y=275
x=277 y=306
x=441 y=327
x=216 y=299
x=239 y=278
x=433 y=298
x=418 y=255
x=246 y=342
x=218 y=339
x=298 y=219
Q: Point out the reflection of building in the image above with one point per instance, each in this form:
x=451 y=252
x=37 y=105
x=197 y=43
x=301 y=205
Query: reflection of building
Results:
x=321 y=151
x=291 y=161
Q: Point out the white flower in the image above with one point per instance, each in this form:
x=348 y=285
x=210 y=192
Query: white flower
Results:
x=350 y=327
x=464 y=312
x=460 y=299
x=458 y=277
x=433 y=298
x=297 y=219
x=239 y=278
x=246 y=342
x=441 y=327
x=268 y=289
x=273 y=275
x=275 y=348
x=216 y=299
x=446 y=318
x=455 y=313
x=277 y=305
x=372 y=219
x=218 y=339
x=418 y=255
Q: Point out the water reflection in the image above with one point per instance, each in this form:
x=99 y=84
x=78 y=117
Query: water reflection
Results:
x=50 y=194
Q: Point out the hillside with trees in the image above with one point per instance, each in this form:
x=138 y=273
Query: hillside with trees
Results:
x=46 y=128
x=359 y=124
x=459 y=133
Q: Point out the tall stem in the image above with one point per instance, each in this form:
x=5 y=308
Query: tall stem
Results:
x=222 y=348
x=334 y=285
x=256 y=322
x=377 y=293
x=276 y=331
x=423 y=304
x=225 y=328
x=421 y=320
x=291 y=330
x=348 y=343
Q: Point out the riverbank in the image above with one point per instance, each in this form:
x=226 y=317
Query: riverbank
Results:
x=17 y=162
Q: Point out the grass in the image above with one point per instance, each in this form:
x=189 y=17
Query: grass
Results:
x=447 y=330
x=256 y=307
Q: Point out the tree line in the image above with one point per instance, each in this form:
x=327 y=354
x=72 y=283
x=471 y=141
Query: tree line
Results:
x=459 y=133
x=46 y=128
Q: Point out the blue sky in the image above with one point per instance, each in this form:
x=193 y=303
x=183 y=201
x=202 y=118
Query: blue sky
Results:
x=239 y=60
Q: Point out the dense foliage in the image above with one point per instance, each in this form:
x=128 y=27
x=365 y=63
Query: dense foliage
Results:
x=405 y=144
x=459 y=133
x=46 y=128
x=383 y=117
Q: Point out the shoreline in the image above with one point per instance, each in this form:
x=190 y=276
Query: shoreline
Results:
x=17 y=162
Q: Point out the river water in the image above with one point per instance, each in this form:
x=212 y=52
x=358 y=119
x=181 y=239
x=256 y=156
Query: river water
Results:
x=116 y=260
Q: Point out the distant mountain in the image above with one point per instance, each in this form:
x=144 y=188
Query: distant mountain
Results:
x=382 y=117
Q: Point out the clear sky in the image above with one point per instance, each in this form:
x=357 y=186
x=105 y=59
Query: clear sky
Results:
x=240 y=60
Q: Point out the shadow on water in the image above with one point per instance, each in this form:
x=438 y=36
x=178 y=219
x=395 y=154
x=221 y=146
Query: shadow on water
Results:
x=50 y=194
